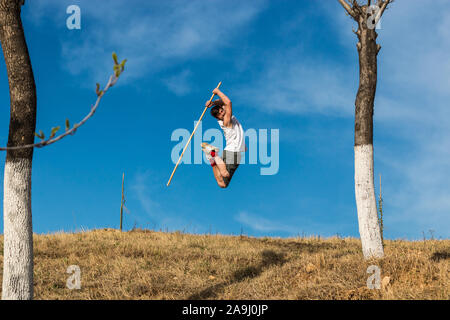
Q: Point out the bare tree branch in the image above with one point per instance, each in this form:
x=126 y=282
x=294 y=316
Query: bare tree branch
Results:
x=383 y=6
x=112 y=81
x=348 y=8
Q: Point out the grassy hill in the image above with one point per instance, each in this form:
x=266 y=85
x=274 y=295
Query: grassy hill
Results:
x=144 y=264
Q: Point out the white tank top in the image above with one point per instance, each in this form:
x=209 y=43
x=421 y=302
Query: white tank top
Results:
x=234 y=136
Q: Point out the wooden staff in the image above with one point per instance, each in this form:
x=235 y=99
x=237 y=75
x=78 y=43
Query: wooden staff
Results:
x=121 y=203
x=179 y=159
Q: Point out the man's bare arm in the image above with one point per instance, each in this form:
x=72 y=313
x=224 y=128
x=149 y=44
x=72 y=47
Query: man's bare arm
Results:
x=227 y=106
x=218 y=102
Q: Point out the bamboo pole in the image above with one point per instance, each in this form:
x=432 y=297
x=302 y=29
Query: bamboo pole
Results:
x=181 y=156
x=121 y=203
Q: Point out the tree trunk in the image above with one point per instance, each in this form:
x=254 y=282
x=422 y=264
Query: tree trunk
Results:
x=18 y=232
x=364 y=180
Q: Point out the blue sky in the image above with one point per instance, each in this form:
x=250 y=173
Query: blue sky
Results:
x=287 y=65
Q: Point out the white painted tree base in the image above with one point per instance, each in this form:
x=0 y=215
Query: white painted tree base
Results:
x=369 y=228
x=18 y=232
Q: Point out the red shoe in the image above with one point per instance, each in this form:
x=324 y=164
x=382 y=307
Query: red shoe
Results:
x=210 y=150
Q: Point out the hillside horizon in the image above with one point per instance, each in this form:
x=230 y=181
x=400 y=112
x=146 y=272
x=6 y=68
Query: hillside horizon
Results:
x=145 y=264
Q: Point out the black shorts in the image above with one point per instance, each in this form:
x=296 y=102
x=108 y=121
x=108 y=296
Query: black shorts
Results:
x=232 y=160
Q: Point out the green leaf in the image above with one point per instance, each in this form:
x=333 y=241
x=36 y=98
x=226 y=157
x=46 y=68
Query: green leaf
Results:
x=122 y=64
x=114 y=55
x=41 y=135
x=98 y=91
x=67 y=124
x=53 y=132
x=118 y=68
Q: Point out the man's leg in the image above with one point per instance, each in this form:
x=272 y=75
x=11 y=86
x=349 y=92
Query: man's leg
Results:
x=228 y=163
x=220 y=170
x=218 y=177
x=221 y=166
x=217 y=164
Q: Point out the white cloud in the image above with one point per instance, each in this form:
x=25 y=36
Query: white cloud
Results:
x=143 y=187
x=415 y=66
x=296 y=83
x=411 y=103
x=179 y=83
x=258 y=223
x=140 y=190
x=150 y=34
x=412 y=94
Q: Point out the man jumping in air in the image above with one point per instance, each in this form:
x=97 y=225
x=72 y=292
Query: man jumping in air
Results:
x=224 y=168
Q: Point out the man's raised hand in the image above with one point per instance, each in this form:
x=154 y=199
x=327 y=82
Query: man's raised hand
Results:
x=209 y=104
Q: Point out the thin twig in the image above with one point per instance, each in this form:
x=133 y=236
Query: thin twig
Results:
x=347 y=7
x=112 y=81
x=383 y=5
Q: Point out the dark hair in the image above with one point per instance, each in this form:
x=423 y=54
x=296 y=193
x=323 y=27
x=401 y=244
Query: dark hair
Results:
x=215 y=111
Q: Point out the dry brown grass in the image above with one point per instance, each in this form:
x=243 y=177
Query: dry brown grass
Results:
x=143 y=264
